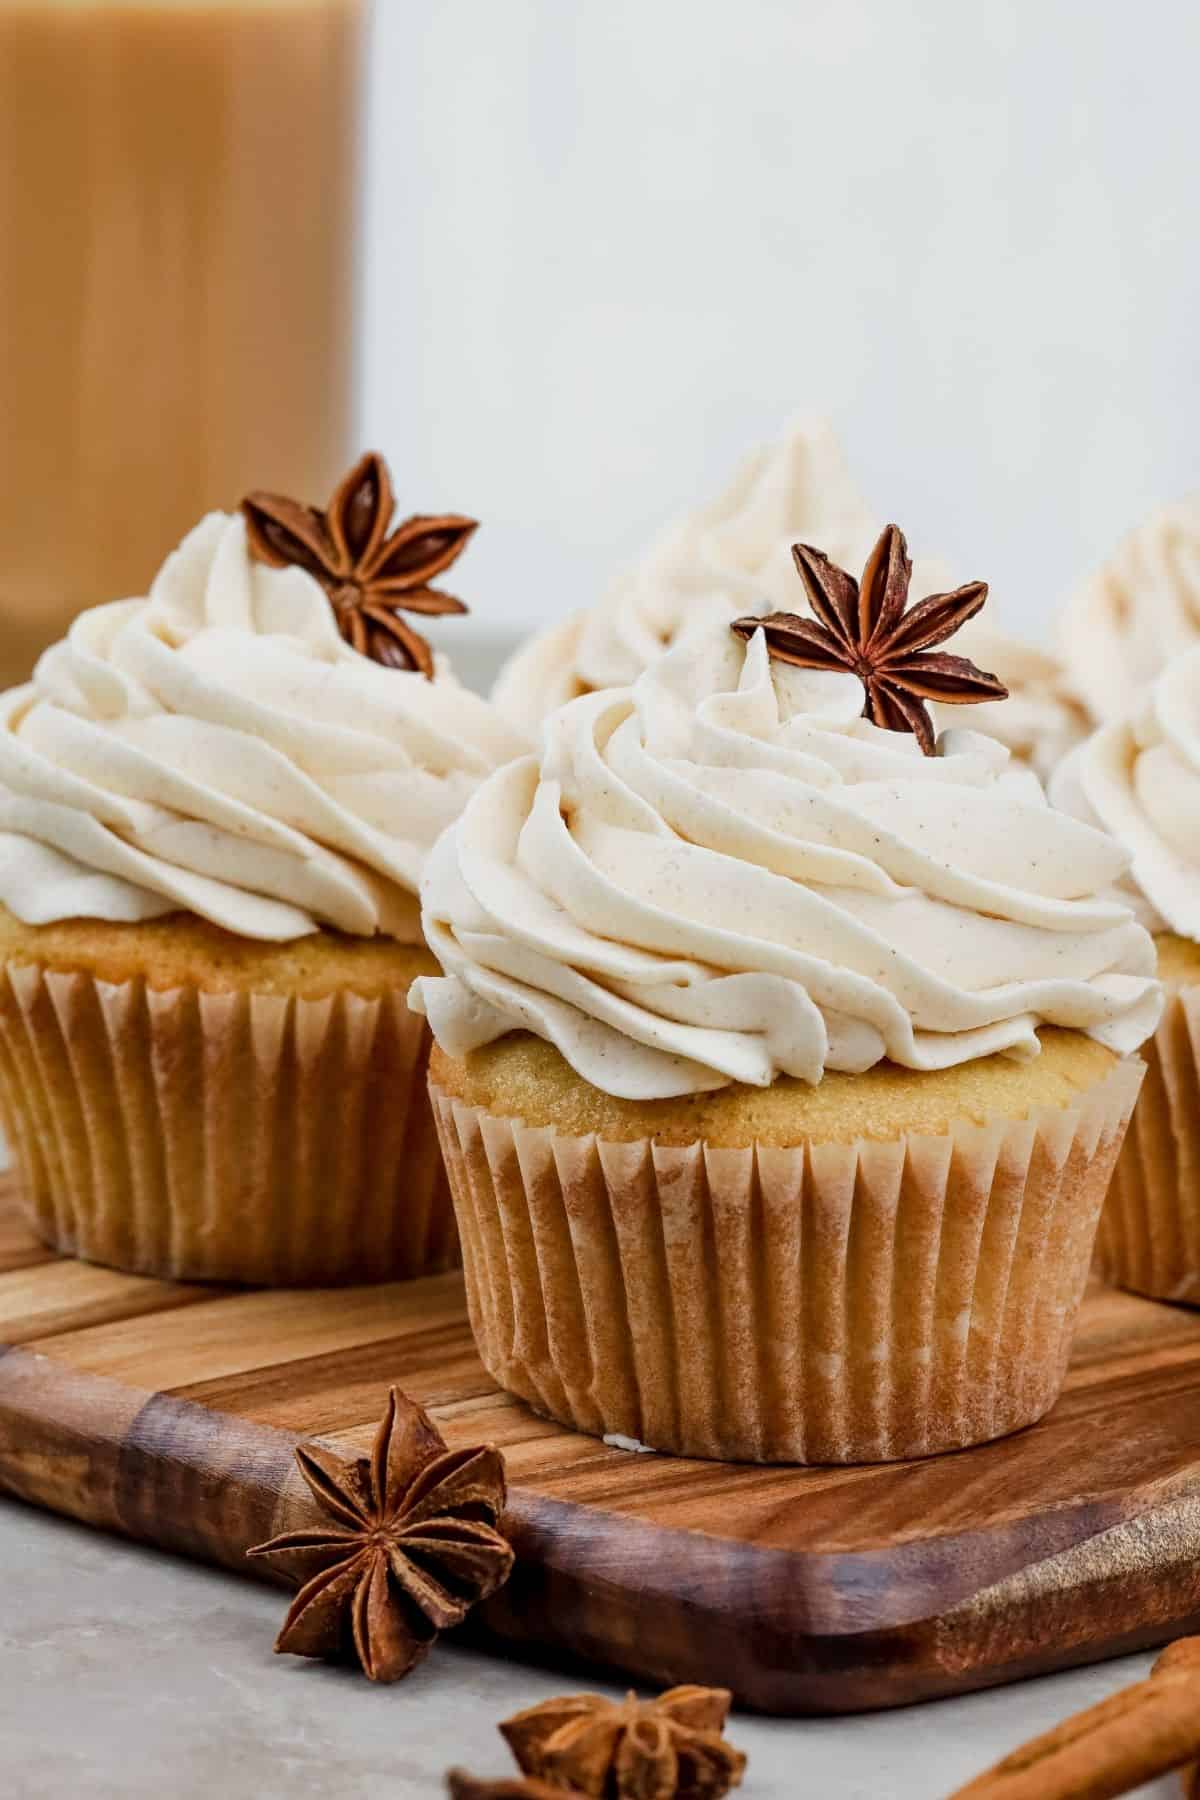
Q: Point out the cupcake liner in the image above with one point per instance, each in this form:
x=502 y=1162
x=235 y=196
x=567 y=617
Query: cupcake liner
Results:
x=223 y=1137
x=830 y=1303
x=1149 y=1237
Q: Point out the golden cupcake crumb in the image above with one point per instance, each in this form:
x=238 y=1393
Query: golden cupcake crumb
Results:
x=522 y=1077
x=180 y=950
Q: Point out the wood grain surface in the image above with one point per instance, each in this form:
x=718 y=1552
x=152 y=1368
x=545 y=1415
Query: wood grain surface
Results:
x=170 y=1413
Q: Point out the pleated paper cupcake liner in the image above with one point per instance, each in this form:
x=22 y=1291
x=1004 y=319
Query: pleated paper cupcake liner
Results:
x=1149 y=1238
x=223 y=1137
x=830 y=1303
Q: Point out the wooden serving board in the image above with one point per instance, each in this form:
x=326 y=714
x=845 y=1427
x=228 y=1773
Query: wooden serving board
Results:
x=170 y=1413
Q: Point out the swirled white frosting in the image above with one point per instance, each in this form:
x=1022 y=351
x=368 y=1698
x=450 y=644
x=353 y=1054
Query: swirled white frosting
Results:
x=734 y=556
x=731 y=556
x=1138 y=611
x=725 y=874
x=216 y=747
x=1139 y=778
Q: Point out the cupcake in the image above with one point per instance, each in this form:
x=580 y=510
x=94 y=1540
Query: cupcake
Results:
x=782 y=1057
x=1139 y=778
x=734 y=556
x=215 y=806
x=1137 y=612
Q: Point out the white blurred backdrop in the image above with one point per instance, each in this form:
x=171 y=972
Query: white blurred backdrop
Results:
x=613 y=243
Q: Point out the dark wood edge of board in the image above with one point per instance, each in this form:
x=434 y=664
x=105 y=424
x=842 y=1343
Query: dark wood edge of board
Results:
x=801 y=1632
x=796 y=1631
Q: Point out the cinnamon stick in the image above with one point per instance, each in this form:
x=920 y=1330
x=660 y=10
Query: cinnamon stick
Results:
x=1140 y=1733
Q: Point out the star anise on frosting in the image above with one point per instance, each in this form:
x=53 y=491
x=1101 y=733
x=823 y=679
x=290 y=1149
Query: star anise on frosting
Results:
x=671 y=1748
x=369 y=572
x=862 y=626
x=411 y=1545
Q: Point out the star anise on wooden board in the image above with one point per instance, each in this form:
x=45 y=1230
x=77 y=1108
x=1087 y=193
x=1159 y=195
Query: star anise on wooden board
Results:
x=368 y=575
x=862 y=627
x=671 y=1748
x=412 y=1545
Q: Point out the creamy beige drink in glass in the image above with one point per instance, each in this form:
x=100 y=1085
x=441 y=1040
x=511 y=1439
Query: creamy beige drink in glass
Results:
x=177 y=280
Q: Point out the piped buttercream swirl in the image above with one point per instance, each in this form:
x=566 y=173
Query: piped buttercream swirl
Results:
x=216 y=747
x=725 y=874
x=1139 y=778
x=1136 y=612
x=734 y=556
x=730 y=556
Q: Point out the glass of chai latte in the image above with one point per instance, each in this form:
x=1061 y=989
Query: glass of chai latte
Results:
x=178 y=187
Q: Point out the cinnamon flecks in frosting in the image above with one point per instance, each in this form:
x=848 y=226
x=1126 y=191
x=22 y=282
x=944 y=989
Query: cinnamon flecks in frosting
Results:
x=216 y=747
x=725 y=874
x=863 y=628
x=369 y=575
x=1137 y=612
x=1139 y=778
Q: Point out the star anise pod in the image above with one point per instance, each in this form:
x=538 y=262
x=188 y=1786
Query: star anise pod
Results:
x=862 y=626
x=665 y=1749
x=412 y=1545
x=461 y=1786
x=368 y=575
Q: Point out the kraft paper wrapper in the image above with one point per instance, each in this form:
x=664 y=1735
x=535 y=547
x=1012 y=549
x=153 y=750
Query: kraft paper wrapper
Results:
x=1149 y=1238
x=223 y=1137
x=828 y=1303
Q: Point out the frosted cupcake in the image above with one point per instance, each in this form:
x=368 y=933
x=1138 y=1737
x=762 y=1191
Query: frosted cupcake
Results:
x=780 y=1068
x=734 y=556
x=1140 y=778
x=215 y=808
x=1137 y=612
